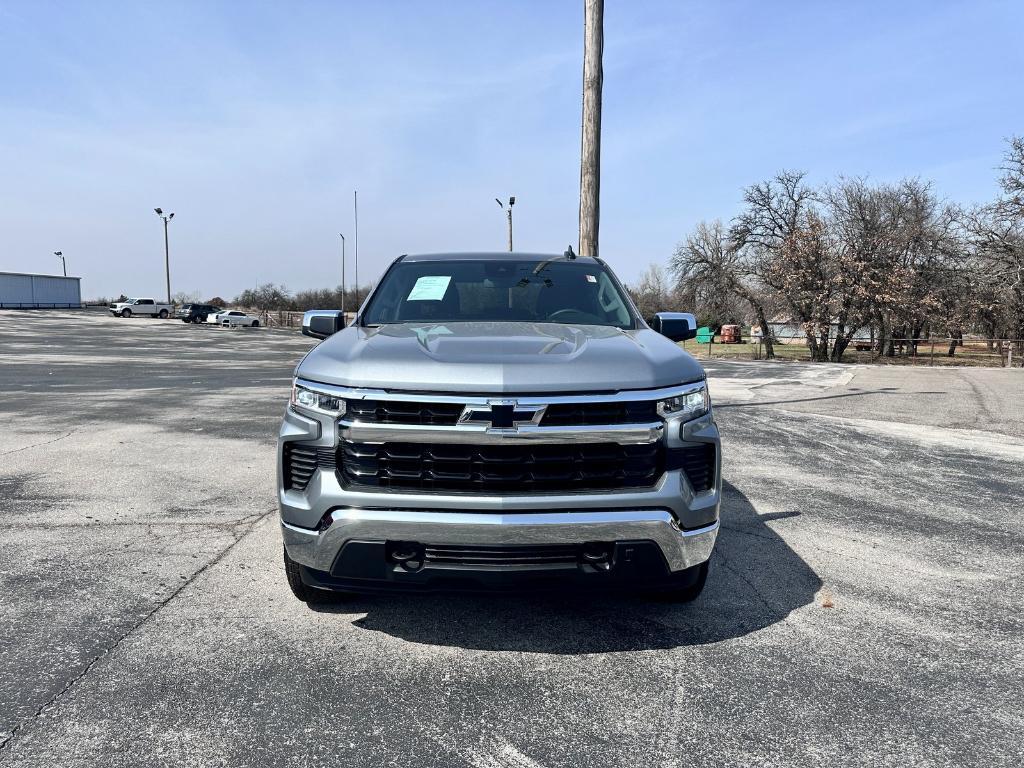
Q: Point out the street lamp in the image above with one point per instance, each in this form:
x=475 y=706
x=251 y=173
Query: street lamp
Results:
x=342 y=273
x=511 y=202
x=167 y=249
x=60 y=255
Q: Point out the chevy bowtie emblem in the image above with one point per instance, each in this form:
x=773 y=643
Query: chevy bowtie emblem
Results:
x=502 y=414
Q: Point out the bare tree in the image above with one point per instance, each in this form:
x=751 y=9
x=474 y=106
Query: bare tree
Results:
x=853 y=255
x=780 y=241
x=862 y=221
x=1011 y=203
x=998 y=241
x=709 y=265
x=652 y=293
x=265 y=297
x=186 y=297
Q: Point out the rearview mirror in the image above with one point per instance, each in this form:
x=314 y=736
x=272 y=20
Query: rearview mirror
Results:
x=321 y=323
x=678 y=326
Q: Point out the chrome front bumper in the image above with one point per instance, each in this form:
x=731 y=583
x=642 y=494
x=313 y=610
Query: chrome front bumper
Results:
x=318 y=548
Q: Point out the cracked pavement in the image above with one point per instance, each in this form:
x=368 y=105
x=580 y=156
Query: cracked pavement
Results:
x=862 y=607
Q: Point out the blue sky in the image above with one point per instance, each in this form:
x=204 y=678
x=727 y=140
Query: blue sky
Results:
x=255 y=121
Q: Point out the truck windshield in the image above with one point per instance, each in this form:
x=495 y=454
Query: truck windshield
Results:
x=499 y=291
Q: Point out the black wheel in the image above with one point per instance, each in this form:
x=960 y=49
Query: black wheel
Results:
x=198 y=320
x=255 y=323
x=163 y=314
x=300 y=589
x=126 y=313
x=690 y=584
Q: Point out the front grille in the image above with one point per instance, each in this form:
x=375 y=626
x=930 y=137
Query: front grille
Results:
x=512 y=468
x=447 y=414
x=398 y=412
x=536 y=554
x=586 y=414
x=301 y=461
x=697 y=462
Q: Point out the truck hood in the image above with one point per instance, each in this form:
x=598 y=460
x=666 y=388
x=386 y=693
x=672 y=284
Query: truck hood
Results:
x=486 y=358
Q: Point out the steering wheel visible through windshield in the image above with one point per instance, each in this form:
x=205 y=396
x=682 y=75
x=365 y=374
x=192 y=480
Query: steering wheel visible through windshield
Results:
x=500 y=290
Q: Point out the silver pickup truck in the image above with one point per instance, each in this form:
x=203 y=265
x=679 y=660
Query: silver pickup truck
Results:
x=494 y=421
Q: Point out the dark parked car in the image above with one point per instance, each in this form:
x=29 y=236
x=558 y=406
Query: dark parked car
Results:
x=196 y=313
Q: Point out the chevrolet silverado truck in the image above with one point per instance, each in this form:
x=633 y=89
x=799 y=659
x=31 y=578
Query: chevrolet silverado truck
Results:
x=498 y=421
x=147 y=307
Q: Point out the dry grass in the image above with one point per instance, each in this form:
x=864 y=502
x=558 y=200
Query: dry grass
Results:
x=972 y=353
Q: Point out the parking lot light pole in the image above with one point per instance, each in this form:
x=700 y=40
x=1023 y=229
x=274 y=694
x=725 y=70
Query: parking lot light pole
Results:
x=60 y=255
x=167 y=249
x=508 y=211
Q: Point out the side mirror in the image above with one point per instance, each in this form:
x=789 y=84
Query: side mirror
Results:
x=678 y=326
x=321 y=323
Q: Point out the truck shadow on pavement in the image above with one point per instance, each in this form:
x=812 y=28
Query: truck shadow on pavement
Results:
x=756 y=580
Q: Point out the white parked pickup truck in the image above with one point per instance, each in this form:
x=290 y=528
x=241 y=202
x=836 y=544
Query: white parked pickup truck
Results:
x=147 y=307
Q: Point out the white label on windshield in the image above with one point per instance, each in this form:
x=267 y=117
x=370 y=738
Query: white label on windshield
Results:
x=429 y=288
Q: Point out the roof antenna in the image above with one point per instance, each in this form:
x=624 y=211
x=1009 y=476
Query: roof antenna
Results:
x=569 y=254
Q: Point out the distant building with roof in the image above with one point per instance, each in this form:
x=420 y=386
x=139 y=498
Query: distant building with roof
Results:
x=21 y=290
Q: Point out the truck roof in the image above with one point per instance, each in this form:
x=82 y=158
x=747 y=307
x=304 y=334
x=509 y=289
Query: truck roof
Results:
x=489 y=256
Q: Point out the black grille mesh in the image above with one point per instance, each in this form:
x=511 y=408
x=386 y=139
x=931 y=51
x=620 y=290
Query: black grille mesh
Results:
x=585 y=414
x=500 y=468
x=398 y=412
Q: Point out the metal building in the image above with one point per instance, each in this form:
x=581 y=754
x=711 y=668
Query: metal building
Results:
x=19 y=290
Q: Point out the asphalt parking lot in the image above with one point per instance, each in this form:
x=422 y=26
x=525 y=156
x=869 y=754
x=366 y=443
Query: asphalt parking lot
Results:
x=863 y=606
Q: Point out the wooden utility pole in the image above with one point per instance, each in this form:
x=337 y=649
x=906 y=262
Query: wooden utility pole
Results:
x=590 y=155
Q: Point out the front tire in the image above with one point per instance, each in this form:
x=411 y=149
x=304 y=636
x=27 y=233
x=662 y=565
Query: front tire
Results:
x=126 y=313
x=691 y=584
x=299 y=588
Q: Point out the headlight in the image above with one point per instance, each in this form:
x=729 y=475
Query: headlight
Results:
x=305 y=399
x=690 y=404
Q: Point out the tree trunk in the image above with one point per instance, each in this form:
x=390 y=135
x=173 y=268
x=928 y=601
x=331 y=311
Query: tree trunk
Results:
x=915 y=336
x=766 y=333
x=823 y=345
x=812 y=345
x=955 y=339
x=885 y=345
x=839 y=347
